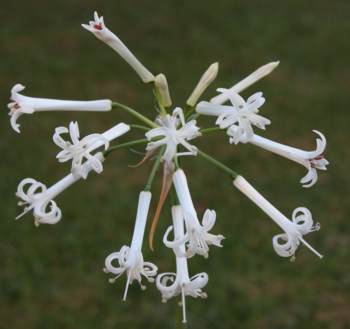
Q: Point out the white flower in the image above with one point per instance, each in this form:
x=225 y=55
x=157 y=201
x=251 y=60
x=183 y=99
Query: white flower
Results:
x=238 y=118
x=207 y=78
x=198 y=237
x=79 y=149
x=287 y=243
x=172 y=131
x=311 y=160
x=246 y=82
x=21 y=104
x=174 y=284
x=130 y=259
x=98 y=28
x=37 y=197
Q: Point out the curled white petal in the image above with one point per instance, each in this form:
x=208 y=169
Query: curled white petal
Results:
x=130 y=259
x=131 y=262
x=199 y=239
x=77 y=150
x=80 y=151
x=173 y=284
x=311 y=160
x=35 y=196
x=285 y=244
x=173 y=131
x=239 y=118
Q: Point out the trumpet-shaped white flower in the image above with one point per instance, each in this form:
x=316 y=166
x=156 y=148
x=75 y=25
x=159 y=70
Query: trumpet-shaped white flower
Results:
x=172 y=131
x=174 y=284
x=99 y=29
x=311 y=160
x=21 y=104
x=37 y=197
x=246 y=82
x=239 y=118
x=79 y=149
x=130 y=259
x=287 y=243
x=198 y=237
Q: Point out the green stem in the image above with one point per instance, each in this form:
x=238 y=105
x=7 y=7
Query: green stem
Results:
x=139 y=127
x=176 y=162
x=210 y=130
x=135 y=114
x=218 y=164
x=154 y=170
x=189 y=111
x=132 y=143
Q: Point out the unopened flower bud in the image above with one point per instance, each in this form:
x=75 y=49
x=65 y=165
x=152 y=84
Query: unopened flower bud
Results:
x=162 y=90
x=207 y=78
x=246 y=82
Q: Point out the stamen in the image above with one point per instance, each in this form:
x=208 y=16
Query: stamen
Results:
x=311 y=248
x=127 y=287
x=26 y=210
x=98 y=27
x=183 y=302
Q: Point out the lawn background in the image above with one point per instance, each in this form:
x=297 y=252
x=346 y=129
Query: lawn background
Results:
x=51 y=277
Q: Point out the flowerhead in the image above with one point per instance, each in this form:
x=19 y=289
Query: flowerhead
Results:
x=130 y=259
x=314 y=161
x=172 y=132
x=98 y=28
x=173 y=284
x=285 y=244
x=130 y=262
x=198 y=238
x=311 y=160
x=79 y=149
x=240 y=117
x=33 y=195
x=37 y=197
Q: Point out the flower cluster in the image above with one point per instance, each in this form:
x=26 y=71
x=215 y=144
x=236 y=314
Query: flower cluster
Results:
x=166 y=138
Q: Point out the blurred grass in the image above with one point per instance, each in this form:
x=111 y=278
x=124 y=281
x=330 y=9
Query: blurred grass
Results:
x=51 y=277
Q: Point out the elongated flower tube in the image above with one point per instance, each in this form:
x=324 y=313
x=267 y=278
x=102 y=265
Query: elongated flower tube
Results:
x=246 y=82
x=199 y=239
x=172 y=131
x=79 y=149
x=98 y=28
x=37 y=197
x=287 y=243
x=21 y=104
x=311 y=160
x=130 y=259
x=174 y=284
x=239 y=118
x=207 y=78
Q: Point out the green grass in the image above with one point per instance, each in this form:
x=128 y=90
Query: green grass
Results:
x=51 y=276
